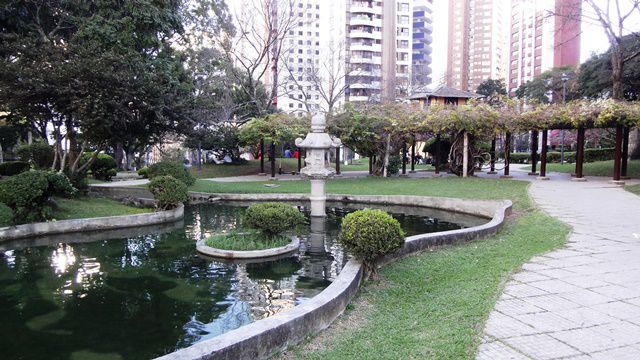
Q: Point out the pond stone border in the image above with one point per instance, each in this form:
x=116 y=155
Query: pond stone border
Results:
x=202 y=248
x=263 y=338
x=90 y=224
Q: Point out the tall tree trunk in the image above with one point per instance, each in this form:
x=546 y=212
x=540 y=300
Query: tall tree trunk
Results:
x=73 y=144
x=118 y=155
x=386 y=156
x=616 y=71
x=457 y=157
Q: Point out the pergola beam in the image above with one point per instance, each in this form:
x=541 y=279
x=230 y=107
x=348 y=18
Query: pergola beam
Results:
x=580 y=155
x=534 y=152
x=543 y=156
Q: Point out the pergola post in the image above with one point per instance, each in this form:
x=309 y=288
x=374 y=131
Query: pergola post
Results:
x=507 y=156
x=543 y=156
x=299 y=160
x=618 y=155
x=465 y=154
x=413 y=154
x=404 y=157
x=534 y=152
x=338 y=161
x=580 y=155
x=625 y=154
x=437 y=156
x=272 y=159
x=492 y=155
x=262 y=157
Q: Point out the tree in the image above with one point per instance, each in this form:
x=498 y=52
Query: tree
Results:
x=547 y=87
x=595 y=78
x=256 y=48
x=322 y=76
x=493 y=90
x=74 y=67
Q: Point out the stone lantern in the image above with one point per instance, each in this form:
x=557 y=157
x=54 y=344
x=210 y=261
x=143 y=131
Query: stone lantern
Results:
x=317 y=143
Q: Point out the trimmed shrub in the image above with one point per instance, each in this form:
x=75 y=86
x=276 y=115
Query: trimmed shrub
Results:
x=40 y=154
x=369 y=234
x=10 y=168
x=591 y=155
x=393 y=167
x=6 y=215
x=519 y=158
x=28 y=194
x=168 y=191
x=173 y=169
x=554 y=156
x=144 y=172
x=60 y=185
x=104 y=167
x=272 y=217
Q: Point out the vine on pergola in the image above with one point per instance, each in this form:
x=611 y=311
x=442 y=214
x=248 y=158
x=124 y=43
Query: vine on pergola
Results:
x=381 y=130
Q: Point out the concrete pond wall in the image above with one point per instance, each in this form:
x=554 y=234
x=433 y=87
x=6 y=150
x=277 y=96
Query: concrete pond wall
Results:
x=90 y=224
x=263 y=338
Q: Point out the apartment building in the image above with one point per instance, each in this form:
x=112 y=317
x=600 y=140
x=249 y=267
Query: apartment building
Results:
x=365 y=47
x=478 y=47
x=379 y=46
x=540 y=40
x=421 y=45
x=298 y=64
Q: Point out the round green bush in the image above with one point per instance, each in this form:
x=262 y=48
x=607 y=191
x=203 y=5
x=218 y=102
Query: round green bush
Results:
x=168 y=191
x=60 y=185
x=28 y=194
x=144 y=172
x=40 y=154
x=369 y=234
x=104 y=167
x=176 y=170
x=273 y=217
x=11 y=168
x=6 y=215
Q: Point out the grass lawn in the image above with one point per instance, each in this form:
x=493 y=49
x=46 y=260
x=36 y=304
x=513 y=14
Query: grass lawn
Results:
x=246 y=240
x=633 y=188
x=288 y=165
x=362 y=164
x=434 y=304
x=88 y=207
x=249 y=168
x=597 y=168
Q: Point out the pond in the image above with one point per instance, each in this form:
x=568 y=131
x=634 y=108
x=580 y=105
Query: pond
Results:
x=141 y=293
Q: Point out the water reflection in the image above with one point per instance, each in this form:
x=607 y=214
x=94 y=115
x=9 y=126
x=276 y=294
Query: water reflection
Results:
x=148 y=293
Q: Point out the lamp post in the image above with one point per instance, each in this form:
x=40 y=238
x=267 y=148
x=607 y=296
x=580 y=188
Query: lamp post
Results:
x=564 y=77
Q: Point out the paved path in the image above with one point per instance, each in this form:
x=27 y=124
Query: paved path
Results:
x=581 y=302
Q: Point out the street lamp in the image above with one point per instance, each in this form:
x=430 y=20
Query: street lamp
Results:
x=564 y=77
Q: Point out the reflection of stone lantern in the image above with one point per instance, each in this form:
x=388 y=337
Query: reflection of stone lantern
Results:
x=317 y=143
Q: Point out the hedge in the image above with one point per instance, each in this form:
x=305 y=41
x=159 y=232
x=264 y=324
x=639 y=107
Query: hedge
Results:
x=11 y=168
x=590 y=155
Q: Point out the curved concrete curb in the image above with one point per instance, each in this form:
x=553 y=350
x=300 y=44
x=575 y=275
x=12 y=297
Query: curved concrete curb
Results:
x=90 y=224
x=263 y=338
x=248 y=254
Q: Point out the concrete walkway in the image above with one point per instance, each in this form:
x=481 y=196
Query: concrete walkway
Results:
x=581 y=302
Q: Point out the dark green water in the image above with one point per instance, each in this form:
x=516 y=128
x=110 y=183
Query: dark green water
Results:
x=146 y=293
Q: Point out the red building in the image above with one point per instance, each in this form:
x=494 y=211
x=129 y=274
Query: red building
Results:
x=539 y=42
